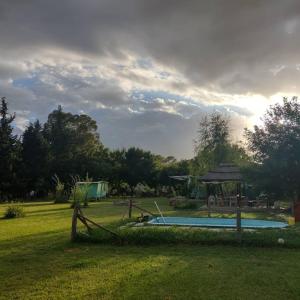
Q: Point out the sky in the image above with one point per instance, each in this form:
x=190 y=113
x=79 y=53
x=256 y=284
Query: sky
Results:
x=149 y=70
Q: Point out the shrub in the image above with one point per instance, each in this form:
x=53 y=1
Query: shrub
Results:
x=14 y=212
x=60 y=194
x=155 y=235
x=78 y=195
x=185 y=205
x=143 y=190
x=124 y=189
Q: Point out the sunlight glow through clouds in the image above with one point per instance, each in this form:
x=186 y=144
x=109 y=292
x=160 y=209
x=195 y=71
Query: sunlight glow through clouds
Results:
x=137 y=87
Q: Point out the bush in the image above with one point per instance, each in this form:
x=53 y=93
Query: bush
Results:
x=185 y=205
x=60 y=193
x=78 y=195
x=14 y=212
x=143 y=190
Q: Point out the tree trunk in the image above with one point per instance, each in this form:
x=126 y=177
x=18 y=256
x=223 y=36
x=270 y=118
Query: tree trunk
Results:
x=238 y=213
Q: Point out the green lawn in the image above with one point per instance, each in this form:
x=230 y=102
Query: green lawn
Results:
x=37 y=261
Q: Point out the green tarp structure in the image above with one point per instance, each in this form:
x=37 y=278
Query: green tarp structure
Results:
x=96 y=189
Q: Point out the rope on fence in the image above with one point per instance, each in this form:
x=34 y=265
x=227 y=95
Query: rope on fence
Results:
x=78 y=214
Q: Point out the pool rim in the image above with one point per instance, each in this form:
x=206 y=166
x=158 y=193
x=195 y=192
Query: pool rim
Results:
x=284 y=224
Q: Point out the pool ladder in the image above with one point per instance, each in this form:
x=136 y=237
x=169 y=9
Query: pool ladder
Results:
x=160 y=212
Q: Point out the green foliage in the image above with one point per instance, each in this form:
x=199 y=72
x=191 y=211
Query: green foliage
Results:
x=166 y=167
x=36 y=158
x=213 y=135
x=143 y=190
x=10 y=149
x=276 y=148
x=132 y=166
x=124 y=189
x=79 y=190
x=213 y=146
x=14 y=211
x=150 y=235
x=85 y=189
x=69 y=144
x=77 y=195
x=60 y=193
x=74 y=144
x=139 y=164
x=185 y=204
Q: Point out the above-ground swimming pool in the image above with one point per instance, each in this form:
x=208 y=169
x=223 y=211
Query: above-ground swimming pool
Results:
x=216 y=222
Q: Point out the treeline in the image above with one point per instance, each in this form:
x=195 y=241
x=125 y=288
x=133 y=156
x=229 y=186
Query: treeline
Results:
x=69 y=145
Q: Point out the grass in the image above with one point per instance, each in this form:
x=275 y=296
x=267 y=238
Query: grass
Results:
x=37 y=261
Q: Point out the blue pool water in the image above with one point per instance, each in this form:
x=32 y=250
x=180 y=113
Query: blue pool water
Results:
x=216 y=222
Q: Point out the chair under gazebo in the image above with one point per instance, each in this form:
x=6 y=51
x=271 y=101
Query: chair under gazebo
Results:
x=215 y=180
x=225 y=173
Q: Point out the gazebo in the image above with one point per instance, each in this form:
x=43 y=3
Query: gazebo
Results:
x=224 y=173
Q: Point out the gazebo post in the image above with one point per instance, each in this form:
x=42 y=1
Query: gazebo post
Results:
x=222 y=194
x=238 y=213
x=207 y=201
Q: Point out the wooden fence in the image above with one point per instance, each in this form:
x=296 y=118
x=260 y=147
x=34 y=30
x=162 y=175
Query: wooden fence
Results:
x=78 y=215
x=88 y=223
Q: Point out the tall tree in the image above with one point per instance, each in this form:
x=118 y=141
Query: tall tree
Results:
x=213 y=133
x=36 y=158
x=169 y=166
x=276 y=148
x=9 y=152
x=213 y=145
x=140 y=166
x=74 y=144
x=133 y=166
x=212 y=142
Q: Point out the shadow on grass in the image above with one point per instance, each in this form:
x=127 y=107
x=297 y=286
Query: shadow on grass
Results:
x=51 y=262
x=31 y=204
x=49 y=211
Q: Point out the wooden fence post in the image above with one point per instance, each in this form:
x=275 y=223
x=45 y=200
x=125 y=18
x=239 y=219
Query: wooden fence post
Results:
x=74 y=223
x=129 y=208
x=209 y=206
x=238 y=224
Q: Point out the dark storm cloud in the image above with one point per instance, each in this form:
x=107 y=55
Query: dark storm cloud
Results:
x=229 y=44
x=91 y=56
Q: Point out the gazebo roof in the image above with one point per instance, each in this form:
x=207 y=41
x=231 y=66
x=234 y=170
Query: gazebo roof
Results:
x=224 y=172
